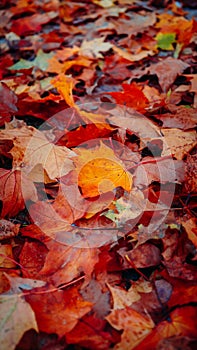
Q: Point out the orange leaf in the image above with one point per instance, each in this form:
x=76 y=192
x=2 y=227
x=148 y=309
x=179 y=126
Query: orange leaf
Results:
x=135 y=327
x=58 y=312
x=100 y=171
x=64 y=86
x=183 y=321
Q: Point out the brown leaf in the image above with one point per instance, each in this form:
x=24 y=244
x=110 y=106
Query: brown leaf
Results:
x=167 y=70
x=13 y=323
x=178 y=142
x=8 y=101
x=158 y=169
x=123 y=298
x=191 y=229
x=93 y=48
x=134 y=325
x=180 y=117
x=31 y=148
x=144 y=255
x=127 y=118
x=8 y=229
x=191 y=173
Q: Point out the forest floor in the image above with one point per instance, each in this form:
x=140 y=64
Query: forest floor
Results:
x=98 y=237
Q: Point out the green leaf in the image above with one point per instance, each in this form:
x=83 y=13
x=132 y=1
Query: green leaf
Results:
x=165 y=40
x=41 y=61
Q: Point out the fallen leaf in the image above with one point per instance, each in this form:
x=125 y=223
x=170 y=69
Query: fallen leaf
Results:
x=132 y=57
x=123 y=298
x=127 y=118
x=32 y=258
x=100 y=171
x=41 y=61
x=167 y=70
x=13 y=323
x=6 y=257
x=132 y=96
x=178 y=142
x=93 y=48
x=32 y=24
x=158 y=169
x=91 y=334
x=67 y=306
x=142 y=256
x=135 y=327
x=8 y=229
x=165 y=40
x=182 y=321
x=8 y=102
x=190 y=227
x=180 y=117
x=11 y=193
x=191 y=173
x=31 y=148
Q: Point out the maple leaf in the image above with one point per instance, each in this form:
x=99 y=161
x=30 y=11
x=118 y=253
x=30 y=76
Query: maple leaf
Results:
x=65 y=86
x=93 y=48
x=11 y=193
x=176 y=24
x=136 y=23
x=90 y=333
x=6 y=257
x=13 y=307
x=8 y=103
x=99 y=171
x=179 y=117
x=167 y=71
x=41 y=61
x=165 y=40
x=182 y=322
x=127 y=118
x=67 y=306
x=13 y=322
x=190 y=227
x=134 y=325
x=130 y=56
x=158 y=169
x=132 y=96
x=32 y=24
x=178 y=142
x=123 y=298
x=31 y=148
x=32 y=258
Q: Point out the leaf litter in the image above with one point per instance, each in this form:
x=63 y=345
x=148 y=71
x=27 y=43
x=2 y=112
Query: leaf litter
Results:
x=98 y=175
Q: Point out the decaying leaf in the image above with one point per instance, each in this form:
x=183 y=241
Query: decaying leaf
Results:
x=13 y=323
x=134 y=325
x=178 y=142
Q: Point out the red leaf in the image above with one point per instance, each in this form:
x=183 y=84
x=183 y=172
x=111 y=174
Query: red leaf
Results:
x=132 y=96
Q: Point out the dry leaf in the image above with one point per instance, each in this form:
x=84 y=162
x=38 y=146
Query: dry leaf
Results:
x=178 y=142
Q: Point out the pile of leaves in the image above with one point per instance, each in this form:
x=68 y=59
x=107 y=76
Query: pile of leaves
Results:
x=98 y=175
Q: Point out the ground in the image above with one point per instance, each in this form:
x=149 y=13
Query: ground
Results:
x=98 y=173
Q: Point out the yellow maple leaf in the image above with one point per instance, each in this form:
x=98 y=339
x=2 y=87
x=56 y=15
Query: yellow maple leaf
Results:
x=100 y=171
